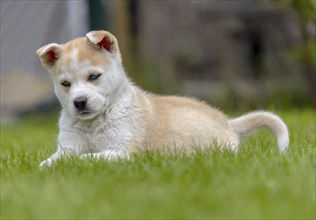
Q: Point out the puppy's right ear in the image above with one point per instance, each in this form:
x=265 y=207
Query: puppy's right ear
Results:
x=49 y=54
x=103 y=40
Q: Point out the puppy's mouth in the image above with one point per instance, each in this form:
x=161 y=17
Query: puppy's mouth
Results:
x=85 y=114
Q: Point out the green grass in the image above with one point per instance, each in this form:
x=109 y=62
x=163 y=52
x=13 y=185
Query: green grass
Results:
x=258 y=182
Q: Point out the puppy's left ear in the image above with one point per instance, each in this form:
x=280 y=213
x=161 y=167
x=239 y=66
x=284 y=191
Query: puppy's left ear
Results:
x=103 y=40
x=49 y=54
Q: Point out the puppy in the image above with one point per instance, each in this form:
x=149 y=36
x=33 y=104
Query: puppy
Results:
x=104 y=115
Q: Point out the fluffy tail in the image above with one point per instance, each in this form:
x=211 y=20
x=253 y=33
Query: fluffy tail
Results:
x=254 y=121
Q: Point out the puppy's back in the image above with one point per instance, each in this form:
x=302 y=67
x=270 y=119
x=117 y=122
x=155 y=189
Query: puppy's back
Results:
x=179 y=122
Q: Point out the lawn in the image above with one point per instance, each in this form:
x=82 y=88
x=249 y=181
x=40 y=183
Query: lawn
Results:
x=257 y=182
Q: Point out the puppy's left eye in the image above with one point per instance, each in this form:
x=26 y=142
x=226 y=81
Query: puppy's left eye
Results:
x=93 y=77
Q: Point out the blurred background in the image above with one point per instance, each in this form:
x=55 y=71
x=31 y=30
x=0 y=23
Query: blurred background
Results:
x=237 y=55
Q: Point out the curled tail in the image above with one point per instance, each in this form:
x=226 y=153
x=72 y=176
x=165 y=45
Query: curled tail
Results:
x=254 y=121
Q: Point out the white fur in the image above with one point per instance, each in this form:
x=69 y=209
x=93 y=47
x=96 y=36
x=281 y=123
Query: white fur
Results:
x=108 y=130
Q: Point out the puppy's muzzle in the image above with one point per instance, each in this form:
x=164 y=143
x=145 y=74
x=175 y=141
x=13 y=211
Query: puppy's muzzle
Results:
x=80 y=103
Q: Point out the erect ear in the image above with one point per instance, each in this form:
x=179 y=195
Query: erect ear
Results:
x=103 y=40
x=49 y=54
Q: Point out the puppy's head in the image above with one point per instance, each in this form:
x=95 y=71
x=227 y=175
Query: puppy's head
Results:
x=86 y=72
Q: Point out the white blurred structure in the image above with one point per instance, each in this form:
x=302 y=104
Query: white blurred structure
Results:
x=26 y=26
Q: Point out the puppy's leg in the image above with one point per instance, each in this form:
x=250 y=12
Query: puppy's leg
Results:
x=48 y=162
x=61 y=152
x=69 y=143
x=109 y=154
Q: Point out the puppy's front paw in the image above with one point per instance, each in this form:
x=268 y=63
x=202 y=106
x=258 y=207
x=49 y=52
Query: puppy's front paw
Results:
x=85 y=156
x=45 y=163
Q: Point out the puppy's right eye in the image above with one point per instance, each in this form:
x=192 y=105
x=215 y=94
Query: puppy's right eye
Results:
x=65 y=83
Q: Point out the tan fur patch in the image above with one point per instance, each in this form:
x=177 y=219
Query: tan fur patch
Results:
x=86 y=52
x=172 y=123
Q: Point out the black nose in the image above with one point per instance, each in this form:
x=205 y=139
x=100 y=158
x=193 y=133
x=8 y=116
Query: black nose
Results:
x=80 y=103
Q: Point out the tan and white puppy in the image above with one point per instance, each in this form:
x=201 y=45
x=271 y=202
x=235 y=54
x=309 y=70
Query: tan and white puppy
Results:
x=104 y=115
